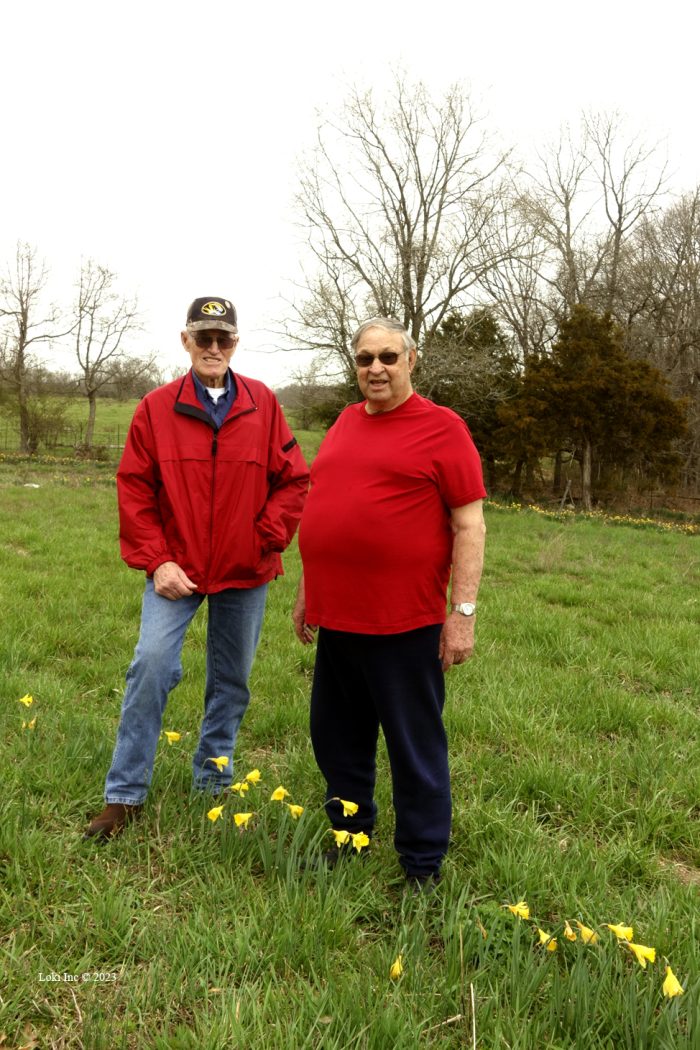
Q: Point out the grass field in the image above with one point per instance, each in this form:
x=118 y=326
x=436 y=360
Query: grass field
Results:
x=576 y=777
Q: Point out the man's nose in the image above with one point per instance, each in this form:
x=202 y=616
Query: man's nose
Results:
x=376 y=366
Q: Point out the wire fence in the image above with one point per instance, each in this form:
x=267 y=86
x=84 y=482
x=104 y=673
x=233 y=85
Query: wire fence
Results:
x=67 y=439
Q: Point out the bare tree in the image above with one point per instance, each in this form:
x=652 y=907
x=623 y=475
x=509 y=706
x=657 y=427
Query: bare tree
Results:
x=133 y=377
x=25 y=324
x=519 y=297
x=660 y=279
x=557 y=206
x=396 y=202
x=103 y=319
x=581 y=206
x=313 y=397
x=629 y=185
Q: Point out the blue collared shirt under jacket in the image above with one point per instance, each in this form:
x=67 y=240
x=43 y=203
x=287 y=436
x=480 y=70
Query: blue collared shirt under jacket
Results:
x=216 y=410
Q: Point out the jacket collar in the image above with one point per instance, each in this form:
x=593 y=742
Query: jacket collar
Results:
x=187 y=402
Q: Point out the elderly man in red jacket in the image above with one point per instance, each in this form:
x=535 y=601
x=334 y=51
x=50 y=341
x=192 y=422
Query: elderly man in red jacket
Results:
x=211 y=487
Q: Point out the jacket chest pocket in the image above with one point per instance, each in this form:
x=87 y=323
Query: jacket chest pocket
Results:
x=230 y=453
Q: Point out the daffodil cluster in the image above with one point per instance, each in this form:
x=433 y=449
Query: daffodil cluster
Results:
x=623 y=934
x=359 y=840
x=241 y=789
x=27 y=702
x=565 y=514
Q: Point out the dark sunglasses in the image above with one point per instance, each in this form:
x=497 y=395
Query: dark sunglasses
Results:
x=387 y=357
x=204 y=340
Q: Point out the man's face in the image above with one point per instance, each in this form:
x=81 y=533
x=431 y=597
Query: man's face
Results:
x=210 y=352
x=385 y=386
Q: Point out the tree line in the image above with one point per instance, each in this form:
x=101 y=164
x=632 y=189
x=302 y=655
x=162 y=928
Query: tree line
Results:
x=557 y=307
x=97 y=325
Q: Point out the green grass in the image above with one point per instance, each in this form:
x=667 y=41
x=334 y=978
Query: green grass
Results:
x=575 y=755
x=110 y=413
x=111 y=425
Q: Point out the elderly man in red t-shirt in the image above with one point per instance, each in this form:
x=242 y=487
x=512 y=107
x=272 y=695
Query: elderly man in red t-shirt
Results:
x=394 y=511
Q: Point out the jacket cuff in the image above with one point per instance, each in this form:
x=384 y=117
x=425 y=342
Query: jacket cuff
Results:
x=157 y=562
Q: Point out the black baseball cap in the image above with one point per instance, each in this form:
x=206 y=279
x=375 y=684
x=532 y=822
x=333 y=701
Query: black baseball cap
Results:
x=212 y=312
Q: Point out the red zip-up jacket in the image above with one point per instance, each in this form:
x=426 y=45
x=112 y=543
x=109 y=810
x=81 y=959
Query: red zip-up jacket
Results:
x=222 y=504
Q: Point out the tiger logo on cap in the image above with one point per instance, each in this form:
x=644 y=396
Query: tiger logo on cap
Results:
x=213 y=309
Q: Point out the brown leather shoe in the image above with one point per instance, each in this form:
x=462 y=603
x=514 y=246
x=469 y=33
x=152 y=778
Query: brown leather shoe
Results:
x=111 y=820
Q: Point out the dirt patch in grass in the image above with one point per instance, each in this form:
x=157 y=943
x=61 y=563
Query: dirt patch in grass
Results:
x=686 y=873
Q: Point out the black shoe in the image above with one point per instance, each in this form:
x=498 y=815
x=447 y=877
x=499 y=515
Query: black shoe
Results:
x=422 y=885
x=330 y=858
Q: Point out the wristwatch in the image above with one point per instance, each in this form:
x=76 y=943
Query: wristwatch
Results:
x=465 y=608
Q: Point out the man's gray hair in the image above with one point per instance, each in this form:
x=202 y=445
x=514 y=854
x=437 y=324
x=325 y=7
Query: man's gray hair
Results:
x=390 y=324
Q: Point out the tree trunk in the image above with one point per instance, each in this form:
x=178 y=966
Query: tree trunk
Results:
x=90 y=428
x=517 y=483
x=556 y=480
x=25 y=442
x=530 y=483
x=586 y=459
x=490 y=465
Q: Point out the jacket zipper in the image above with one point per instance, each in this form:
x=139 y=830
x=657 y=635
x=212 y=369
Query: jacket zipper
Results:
x=214 y=451
x=199 y=413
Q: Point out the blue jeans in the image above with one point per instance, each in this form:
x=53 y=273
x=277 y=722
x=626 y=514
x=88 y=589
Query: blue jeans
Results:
x=235 y=619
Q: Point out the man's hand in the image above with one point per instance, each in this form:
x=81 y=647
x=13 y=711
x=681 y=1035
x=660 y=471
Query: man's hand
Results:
x=171 y=582
x=304 y=631
x=456 y=640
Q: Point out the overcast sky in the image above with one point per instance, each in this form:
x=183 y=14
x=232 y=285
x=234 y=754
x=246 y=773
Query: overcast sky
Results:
x=163 y=140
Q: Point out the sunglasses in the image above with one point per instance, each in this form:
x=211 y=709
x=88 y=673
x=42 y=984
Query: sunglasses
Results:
x=205 y=340
x=387 y=357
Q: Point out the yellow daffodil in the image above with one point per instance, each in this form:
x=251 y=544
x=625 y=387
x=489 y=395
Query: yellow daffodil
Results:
x=623 y=933
x=254 y=776
x=396 y=968
x=221 y=762
x=279 y=794
x=296 y=811
x=215 y=813
x=360 y=840
x=171 y=737
x=240 y=787
x=242 y=819
x=642 y=954
x=672 y=986
x=27 y=700
x=341 y=837
x=520 y=909
x=568 y=932
x=547 y=939
x=349 y=808
x=588 y=936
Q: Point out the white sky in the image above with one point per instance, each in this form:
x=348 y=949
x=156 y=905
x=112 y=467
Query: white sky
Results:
x=163 y=140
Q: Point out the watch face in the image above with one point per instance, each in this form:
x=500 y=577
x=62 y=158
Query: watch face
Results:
x=465 y=608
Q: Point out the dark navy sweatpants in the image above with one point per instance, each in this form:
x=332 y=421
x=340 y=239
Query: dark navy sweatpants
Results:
x=395 y=681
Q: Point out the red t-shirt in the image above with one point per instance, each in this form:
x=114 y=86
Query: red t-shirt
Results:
x=375 y=535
